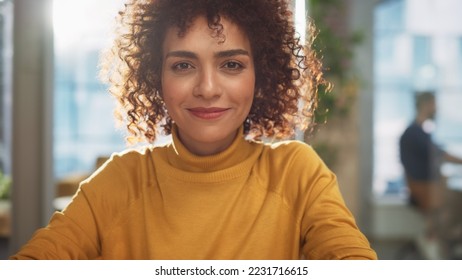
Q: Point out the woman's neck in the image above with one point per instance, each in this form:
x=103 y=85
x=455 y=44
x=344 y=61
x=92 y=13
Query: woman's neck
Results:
x=206 y=149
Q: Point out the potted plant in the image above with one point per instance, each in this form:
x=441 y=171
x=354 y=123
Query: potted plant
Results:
x=5 y=191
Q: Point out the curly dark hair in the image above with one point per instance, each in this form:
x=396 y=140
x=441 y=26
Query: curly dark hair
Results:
x=288 y=71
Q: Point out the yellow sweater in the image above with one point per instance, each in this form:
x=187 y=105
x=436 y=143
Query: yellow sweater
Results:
x=252 y=201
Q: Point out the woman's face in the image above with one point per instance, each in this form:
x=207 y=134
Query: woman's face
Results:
x=207 y=85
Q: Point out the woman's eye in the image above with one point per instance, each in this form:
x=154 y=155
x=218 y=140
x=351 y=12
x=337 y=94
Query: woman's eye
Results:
x=182 y=66
x=233 y=65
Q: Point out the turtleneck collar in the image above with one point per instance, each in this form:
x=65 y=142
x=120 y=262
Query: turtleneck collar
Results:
x=180 y=157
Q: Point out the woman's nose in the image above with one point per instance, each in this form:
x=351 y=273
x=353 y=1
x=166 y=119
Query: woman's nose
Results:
x=208 y=84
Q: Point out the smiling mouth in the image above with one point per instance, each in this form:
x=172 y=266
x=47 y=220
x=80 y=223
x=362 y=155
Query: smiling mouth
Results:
x=208 y=113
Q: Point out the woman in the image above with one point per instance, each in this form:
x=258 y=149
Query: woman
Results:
x=217 y=75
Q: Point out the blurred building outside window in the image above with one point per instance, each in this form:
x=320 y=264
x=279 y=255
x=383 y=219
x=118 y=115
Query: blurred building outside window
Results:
x=418 y=46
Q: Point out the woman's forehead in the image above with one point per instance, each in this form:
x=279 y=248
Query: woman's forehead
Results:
x=200 y=29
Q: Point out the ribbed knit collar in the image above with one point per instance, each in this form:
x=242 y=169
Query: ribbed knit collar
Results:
x=181 y=158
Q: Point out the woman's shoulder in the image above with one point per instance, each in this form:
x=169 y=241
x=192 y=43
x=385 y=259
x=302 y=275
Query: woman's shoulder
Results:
x=122 y=179
x=129 y=167
x=132 y=157
x=290 y=148
x=294 y=171
x=291 y=156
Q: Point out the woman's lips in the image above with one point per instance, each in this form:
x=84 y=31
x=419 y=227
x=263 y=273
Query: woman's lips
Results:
x=208 y=113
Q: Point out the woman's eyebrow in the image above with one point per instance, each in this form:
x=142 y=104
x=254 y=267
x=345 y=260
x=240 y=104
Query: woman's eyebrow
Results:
x=185 y=54
x=233 y=52
x=220 y=54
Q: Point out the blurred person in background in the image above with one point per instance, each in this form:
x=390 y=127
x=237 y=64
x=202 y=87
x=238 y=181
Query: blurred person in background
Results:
x=422 y=159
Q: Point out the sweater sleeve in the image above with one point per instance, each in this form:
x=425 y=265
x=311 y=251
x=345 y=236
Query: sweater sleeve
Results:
x=70 y=234
x=328 y=228
x=77 y=231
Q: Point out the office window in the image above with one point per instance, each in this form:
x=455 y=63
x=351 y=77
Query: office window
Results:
x=83 y=122
x=417 y=47
x=6 y=60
